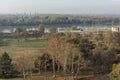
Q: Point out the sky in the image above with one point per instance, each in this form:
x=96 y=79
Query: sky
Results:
x=60 y=6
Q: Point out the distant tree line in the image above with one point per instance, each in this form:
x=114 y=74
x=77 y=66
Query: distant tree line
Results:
x=64 y=20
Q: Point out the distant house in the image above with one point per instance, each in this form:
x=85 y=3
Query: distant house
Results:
x=115 y=29
x=64 y=30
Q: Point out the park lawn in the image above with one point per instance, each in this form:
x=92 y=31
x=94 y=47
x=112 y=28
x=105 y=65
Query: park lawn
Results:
x=32 y=47
x=15 y=52
x=30 y=42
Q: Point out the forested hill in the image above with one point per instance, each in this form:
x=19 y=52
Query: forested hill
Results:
x=29 y=20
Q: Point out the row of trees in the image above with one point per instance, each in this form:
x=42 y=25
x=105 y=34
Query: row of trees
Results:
x=23 y=33
x=28 y=20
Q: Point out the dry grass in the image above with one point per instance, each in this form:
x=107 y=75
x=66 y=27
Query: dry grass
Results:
x=17 y=51
x=90 y=77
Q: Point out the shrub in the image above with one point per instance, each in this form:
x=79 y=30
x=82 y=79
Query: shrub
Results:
x=115 y=74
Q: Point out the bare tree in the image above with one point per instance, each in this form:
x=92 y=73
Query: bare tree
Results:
x=60 y=50
x=41 y=29
x=24 y=64
x=55 y=48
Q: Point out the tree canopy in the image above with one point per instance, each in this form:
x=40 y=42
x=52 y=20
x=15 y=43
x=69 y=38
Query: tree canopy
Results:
x=6 y=67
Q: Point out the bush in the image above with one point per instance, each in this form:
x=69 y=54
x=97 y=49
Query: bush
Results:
x=115 y=74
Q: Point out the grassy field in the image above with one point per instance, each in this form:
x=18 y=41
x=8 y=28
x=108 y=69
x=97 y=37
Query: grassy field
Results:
x=31 y=46
x=16 y=52
x=30 y=42
x=89 y=77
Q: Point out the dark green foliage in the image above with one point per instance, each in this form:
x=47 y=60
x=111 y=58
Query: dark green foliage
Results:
x=85 y=46
x=42 y=61
x=6 y=67
x=116 y=49
x=102 y=60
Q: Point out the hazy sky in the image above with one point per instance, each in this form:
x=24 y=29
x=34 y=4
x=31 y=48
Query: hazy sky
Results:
x=60 y=6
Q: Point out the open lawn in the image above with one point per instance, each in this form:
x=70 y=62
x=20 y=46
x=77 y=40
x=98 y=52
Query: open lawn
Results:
x=30 y=42
x=31 y=46
x=18 y=51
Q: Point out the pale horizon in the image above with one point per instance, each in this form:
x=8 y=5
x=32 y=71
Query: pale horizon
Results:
x=60 y=6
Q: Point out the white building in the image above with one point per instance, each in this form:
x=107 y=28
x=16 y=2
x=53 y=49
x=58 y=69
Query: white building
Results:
x=65 y=30
x=115 y=29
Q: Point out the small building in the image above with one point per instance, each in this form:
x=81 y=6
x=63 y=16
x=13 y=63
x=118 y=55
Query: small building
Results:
x=68 y=30
x=115 y=29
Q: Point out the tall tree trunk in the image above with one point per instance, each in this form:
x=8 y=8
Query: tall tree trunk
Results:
x=78 y=68
x=58 y=67
x=45 y=69
x=72 y=65
x=39 y=68
x=30 y=72
x=64 y=72
x=54 y=74
x=24 y=74
x=65 y=68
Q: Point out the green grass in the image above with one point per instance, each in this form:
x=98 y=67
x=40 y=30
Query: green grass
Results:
x=30 y=42
x=32 y=46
